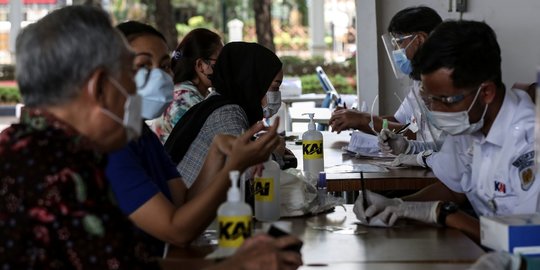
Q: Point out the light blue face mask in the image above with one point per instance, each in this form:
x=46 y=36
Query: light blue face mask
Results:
x=155 y=87
x=401 y=60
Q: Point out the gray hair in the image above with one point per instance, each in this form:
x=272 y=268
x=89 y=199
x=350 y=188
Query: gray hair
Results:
x=57 y=55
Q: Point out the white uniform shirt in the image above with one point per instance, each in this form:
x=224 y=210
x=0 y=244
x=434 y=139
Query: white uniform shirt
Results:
x=495 y=172
x=412 y=110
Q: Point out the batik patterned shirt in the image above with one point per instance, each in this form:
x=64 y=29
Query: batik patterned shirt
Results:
x=184 y=97
x=56 y=208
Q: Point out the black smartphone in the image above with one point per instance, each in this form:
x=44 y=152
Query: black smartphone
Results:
x=277 y=232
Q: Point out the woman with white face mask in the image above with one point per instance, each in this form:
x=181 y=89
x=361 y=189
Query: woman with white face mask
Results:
x=146 y=184
x=192 y=66
x=246 y=78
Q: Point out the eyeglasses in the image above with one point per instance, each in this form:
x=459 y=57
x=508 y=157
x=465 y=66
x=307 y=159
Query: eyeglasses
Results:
x=398 y=40
x=448 y=100
x=208 y=61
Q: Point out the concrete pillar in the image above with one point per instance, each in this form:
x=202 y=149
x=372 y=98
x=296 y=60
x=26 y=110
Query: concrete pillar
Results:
x=316 y=26
x=15 y=19
x=367 y=67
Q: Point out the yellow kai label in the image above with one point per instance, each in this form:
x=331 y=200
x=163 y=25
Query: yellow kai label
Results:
x=233 y=230
x=264 y=189
x=312 y=149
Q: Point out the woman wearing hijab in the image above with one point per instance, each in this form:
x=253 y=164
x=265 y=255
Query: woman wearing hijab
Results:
x=243 y=74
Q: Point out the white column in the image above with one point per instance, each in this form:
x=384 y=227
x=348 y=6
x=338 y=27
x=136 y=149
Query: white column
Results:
x=15 y=19
x=236 y=28
x=316 y=26
x=367 y=68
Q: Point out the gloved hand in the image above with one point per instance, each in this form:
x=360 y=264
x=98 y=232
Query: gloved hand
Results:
x=375 y=201
x=390 y=142
x=408 y=160
x=421 y=211
x=497 y=261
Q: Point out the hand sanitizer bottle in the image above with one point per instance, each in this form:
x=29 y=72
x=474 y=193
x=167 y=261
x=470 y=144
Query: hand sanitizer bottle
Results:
x=312 y=149
x=267 y=195
x=234 y=218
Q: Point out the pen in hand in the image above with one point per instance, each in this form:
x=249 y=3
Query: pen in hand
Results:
x=403 y=128
x=364 y=193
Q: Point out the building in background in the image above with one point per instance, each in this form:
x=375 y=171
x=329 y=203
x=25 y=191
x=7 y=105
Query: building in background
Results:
x=32 y=10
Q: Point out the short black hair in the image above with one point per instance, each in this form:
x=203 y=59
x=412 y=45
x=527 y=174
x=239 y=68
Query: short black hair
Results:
x=469 y=48
x=414 y=19
x=134 y=29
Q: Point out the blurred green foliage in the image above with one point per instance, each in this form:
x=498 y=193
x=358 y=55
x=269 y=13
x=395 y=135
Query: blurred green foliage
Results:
x=9 y=95
x=342 y=75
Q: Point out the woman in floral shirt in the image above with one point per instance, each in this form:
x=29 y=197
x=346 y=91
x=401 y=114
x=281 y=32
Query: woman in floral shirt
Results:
x=192 y=64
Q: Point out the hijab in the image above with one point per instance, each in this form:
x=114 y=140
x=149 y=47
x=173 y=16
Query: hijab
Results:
x=242 y=75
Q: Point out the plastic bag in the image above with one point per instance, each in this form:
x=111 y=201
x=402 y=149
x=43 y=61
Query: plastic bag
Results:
x=299 y=197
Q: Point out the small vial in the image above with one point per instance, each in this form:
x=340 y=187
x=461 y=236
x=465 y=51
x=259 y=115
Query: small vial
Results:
x=321 y=188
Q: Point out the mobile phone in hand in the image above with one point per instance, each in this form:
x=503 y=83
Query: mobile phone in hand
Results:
x=277 y=232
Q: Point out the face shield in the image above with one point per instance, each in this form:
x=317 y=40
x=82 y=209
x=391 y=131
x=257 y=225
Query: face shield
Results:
x=401 y=66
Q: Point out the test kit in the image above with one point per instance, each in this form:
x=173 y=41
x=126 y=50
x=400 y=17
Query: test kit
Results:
x=518 y=234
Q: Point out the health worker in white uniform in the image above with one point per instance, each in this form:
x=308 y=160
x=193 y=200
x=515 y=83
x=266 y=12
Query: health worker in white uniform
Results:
x=487 y=159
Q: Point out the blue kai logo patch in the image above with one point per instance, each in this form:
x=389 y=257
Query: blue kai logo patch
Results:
x=500 y=187
x=525 y=163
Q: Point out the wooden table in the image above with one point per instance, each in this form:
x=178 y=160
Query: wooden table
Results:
x=409 y=245
x=398 y=179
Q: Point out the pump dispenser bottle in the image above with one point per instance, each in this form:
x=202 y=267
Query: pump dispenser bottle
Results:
x=267 y=197
x=234 y=218
x=312 y=149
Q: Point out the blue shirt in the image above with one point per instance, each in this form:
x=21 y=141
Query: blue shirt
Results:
x=139 y=171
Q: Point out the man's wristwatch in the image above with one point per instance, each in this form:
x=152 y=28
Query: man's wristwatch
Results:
x=425 y=155
x=445 y=209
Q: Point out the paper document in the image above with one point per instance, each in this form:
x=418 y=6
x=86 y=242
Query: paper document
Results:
x=366 y=145
x=355 y=168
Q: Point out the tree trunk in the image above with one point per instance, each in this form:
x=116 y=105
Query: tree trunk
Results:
x=165 y=23
x=96 y=3
x=263 y=23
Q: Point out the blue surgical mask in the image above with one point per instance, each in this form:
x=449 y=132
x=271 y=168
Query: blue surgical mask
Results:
x=156 y=88
x=401 y=60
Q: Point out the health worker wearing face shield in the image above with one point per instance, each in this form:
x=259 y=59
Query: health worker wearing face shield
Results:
x=408 y=30
x=487 y=159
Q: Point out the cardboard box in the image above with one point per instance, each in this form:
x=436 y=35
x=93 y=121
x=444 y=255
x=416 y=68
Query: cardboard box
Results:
x=519 y=234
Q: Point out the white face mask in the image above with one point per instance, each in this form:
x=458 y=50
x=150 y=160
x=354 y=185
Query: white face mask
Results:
x=457 y=123
x=155 y=87
x=132 y=120
x=273 y=105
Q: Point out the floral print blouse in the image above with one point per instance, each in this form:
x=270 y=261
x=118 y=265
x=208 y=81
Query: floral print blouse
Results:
x=56 y=208
x=184 y=97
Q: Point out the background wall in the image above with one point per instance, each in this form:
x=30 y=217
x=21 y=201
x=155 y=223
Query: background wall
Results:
x=516 y=24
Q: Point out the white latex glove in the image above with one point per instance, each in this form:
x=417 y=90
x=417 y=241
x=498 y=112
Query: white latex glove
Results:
x=497 y=261
x=408 y=160
x=390 y=142
x=421 y=211
x=375 y=201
